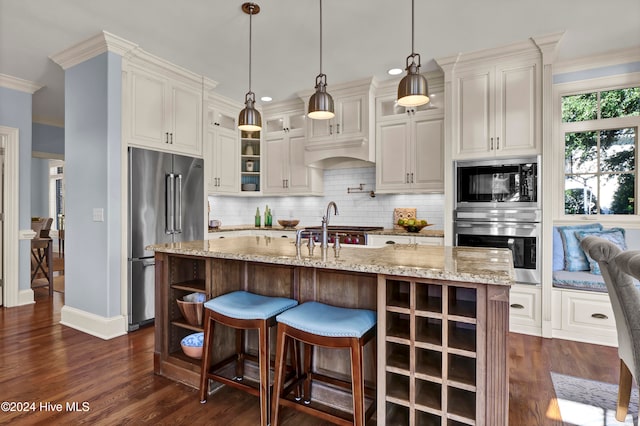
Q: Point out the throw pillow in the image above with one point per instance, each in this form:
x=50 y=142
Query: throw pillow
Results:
x=574 y=257
x=615 y=235
x=558 y=250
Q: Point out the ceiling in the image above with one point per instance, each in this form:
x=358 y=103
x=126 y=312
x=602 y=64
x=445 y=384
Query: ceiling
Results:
x=361 y=37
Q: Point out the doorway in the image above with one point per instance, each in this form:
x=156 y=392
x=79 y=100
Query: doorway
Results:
x=9 y=225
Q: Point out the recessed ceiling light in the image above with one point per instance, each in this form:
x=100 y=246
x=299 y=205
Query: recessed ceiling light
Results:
x=266 y=99
x=394 y=71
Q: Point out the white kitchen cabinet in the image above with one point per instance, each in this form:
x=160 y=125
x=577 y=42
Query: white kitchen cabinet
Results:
x=349 y=133
x=285 y=171
x=163 y=107
x=222 y=149
x=525 y=309
x=498 y=108
x=409 y=149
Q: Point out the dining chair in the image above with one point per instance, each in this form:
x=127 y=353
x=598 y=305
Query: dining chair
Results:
x=618 y=267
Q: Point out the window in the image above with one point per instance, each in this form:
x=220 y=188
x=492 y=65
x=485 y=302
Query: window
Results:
x=56 y=193
x=600 y=151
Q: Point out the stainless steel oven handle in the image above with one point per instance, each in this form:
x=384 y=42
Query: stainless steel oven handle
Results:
x=511 y=243
x=519 y=225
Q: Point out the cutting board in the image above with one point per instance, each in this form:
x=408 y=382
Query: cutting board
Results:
x=403 y=213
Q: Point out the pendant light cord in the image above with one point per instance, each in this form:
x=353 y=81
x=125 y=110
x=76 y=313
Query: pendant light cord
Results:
x=412 y=24
x=320 y=37
x=250 y=27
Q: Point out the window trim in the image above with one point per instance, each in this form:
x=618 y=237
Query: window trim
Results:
x=560 y=128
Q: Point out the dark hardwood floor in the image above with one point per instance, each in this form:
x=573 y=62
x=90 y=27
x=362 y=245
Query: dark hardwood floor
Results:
x=44 y=362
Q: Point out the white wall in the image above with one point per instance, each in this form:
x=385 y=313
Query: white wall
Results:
x=355 y=208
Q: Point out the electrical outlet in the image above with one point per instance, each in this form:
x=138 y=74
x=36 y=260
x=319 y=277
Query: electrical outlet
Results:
x=98 y=215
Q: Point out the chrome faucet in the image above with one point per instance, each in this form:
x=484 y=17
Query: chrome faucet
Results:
x=325 y=224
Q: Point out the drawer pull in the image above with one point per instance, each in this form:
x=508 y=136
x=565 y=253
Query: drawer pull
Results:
x=517 y=306
x=599 y=316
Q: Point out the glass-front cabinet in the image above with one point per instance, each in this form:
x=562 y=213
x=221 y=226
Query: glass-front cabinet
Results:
x=250 y=164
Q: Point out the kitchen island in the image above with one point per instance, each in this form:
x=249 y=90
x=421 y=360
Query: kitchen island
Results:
x=443 y=316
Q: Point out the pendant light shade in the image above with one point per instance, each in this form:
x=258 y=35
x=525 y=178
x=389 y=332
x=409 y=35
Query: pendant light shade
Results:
x=413 y=89
x=249 y=119
x=321 y=102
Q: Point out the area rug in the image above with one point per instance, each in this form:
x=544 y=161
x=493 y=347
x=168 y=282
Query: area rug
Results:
x=584 y=402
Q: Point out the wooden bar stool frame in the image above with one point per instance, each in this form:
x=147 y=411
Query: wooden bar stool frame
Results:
x=207 y=373
x=264 y=389
x=288 y=335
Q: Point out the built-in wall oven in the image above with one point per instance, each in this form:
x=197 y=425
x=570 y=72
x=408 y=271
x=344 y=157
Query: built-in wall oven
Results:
x=497 y=205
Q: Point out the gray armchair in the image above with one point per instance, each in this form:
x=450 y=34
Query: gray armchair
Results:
x=617 y=269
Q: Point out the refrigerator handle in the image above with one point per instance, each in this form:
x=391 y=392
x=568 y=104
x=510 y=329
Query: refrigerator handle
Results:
x=178 y=206
x=169 y=197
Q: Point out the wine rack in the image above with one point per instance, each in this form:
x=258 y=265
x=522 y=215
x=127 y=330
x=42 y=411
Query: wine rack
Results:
x=433 y=358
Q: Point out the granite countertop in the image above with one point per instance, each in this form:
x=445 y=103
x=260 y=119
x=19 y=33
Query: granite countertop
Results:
x=425 y=232
x=468 y=264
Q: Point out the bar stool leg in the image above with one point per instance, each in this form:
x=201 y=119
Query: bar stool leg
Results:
x=278 y=376
x=357 y=383
x=240 y=354
x=263 y=338
x=209 y=325
x=308 y=360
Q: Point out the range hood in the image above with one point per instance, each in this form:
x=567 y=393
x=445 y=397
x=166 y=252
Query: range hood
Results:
x=348 y=139
x=340 y=155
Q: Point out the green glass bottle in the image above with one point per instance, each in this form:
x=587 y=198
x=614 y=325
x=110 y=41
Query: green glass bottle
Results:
x=257 y=217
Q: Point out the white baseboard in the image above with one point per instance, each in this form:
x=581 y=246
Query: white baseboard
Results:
x=596 y=339
x=104 y=328
x=525 y=329
x=25 y=297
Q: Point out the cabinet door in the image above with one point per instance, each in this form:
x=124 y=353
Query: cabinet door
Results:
x=276 y=157
x=428 y=157
x=320 y=130
x=186 y=112
x=516 y=111
x=351 y=113
x=474 y=114
x=299 y=174
x=393 y=141
x=147 y=120
x=227 y=159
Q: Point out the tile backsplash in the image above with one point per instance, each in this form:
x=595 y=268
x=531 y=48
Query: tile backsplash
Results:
x=354 y=208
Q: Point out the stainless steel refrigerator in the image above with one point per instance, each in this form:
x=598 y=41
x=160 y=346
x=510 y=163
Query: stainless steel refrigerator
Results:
x=166 y=204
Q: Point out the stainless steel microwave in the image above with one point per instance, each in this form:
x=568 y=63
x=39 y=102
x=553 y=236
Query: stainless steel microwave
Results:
x=497 y=183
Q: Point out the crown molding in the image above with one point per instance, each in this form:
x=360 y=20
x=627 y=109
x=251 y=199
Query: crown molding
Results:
x=96 y=45
x=615 y=57
x=18 y=84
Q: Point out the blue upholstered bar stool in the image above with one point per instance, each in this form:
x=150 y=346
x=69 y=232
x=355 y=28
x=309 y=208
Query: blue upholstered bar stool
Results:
x=241 y=310
x=318 y=324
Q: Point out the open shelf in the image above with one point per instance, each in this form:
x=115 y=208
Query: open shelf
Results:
x=398 y=357
x=428 y=364
x=398 y=387
x=428 y=330
x=396 y=415
x=398 y=325
x=398 y=294
x=427 y=419
x=462 y=403
x=462 y=336
x=462 y=370
x=428 y=297
x=428 y=394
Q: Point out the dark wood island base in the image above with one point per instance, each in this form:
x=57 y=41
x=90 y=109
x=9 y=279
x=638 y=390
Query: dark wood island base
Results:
x=443 y=318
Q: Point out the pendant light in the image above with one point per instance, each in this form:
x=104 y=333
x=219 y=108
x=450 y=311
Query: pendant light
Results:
x=413 y=89
x=249 y=119
x=321 y=103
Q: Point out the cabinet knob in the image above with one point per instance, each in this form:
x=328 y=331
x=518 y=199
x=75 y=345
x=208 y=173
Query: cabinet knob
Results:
x=330 y=129
x=338 y=128
x=498 y=142
x=491 y=145
x=166 y=137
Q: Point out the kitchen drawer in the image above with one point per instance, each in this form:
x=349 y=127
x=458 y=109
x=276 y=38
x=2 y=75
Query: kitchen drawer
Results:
x=380 y=240
x=588 y=312
x=525 y=308
x=430 y=241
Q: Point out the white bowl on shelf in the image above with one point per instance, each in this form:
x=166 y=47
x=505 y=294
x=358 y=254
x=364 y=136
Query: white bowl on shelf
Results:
x=249 y=186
